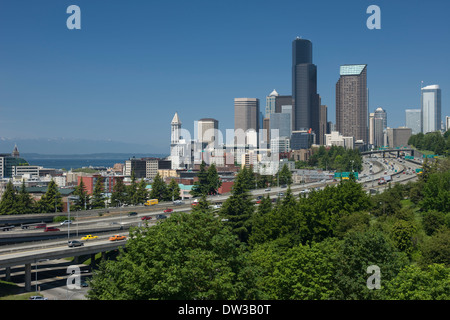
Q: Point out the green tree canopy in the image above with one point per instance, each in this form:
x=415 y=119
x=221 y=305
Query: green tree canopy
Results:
x=188 y=257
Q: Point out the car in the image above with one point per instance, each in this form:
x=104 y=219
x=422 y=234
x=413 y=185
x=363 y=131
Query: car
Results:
x=280 y=194
x=130 y=214
x=74 y=243
x=168 y=210
x=259 y=197
x=47 y=229
x=117 y=237
x=161 y=216
x=66 y=222
x=178 y=202
x=283 y=186
x=267 y=189
x=258 y=201
x=89 y=237
x=84 y=283
x=217 y=206
x=146 y=218
x=37 y=298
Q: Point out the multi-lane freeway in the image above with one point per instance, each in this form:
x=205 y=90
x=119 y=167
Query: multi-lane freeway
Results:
x=30 y=252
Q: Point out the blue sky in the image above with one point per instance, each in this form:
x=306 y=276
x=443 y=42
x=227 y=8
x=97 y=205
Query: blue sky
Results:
x=135 y=63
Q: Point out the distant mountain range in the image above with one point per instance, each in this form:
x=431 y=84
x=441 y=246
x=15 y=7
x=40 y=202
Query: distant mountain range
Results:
x=62 y=147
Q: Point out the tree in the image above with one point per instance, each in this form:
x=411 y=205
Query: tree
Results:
x=159 y=189
x=83 y=197
x=285 y=176
x=402 y=235
x=303 y=272
x=436 y=249
x=25 y=203
x=142 y=193
x=51 y=201
x=8 y=202
x=213 y=180
x=132 y=190
x=187 y=257
x=173 y=190
x=414 y=283
x=201 y=186
x=118 y=196
x=360 y=250
x=238 y=208
x=432 y=221
x=98 y=199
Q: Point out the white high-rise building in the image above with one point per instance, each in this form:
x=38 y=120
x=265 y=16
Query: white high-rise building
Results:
x=413 y=120
x=431 y=108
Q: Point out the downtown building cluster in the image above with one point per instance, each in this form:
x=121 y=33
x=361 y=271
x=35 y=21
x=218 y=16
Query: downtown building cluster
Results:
x=291 y=124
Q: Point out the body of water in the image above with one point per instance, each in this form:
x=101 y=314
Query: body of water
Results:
x=74 y=163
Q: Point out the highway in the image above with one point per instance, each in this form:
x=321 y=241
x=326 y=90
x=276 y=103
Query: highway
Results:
x=29 y=252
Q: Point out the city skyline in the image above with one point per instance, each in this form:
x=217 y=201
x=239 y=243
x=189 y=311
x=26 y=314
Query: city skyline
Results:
x=93 y=83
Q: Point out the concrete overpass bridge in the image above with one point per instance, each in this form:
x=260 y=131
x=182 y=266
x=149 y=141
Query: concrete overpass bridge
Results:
x=384 y=151
x=34 y=255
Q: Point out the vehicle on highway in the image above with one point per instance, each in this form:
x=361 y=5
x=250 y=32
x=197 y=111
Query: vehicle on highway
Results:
x=47 y=229
x=283 y=186
x=89 y=237
x=280 y=194
x=117 y=237
x=146 y=218
x=151 y=202
x=178 y=202
x=66 y=222
x=34 y=226
x=37 y=298
x=168 y=210
x=130 y=214
x=161 y=216
x=74 y=243
x=267 y=189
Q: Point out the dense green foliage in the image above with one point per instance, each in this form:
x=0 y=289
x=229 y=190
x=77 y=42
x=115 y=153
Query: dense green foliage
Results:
x=335 y=158
x=432 y=141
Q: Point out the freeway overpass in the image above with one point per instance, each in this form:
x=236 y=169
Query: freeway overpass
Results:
x=384 y=151
x=33 y=256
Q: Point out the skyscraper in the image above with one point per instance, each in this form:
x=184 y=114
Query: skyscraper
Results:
x=270 y=103
x=413 y=120
x=246 y=118
x=431 y=108
x=352 y=102
x=305 y=100
x=380 y=126
x=208 y=131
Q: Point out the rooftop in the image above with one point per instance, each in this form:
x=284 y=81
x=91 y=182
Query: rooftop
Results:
x=352 y=69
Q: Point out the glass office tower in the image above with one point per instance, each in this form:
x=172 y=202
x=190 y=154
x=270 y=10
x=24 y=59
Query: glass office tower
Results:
x=305 y=100
x=431 y=108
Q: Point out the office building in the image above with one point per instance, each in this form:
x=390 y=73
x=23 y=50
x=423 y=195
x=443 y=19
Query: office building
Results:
x=9 y=162
x=431 y=108
x=352 y=102
x=377 y=127
x=323 y=122
x=305 y=100
x=270 y=103
x=336 y=139
x=398 y=137
x=281 y=122
x=413 y=120
x=447 y=123
x=246 y=120
x=208 y=131
x=302 y=140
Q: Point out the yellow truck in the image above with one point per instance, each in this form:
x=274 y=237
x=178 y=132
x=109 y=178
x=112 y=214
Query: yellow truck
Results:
x=151 y=202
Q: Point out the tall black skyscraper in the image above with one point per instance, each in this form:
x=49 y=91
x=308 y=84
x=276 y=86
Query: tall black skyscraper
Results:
x=305 y=100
